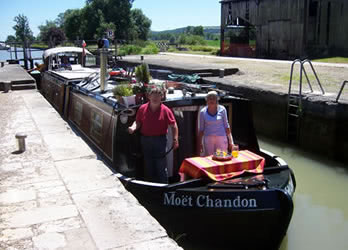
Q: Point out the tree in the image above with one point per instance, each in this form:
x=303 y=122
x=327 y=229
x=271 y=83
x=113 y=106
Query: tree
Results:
x=172 y=39
x=10 y=39
x=117 y=12
x=54 y=36
x=198 y=31
x=72 y=24
x=23 y=31
x=45 y=28
x=97 y=16
x=23 y=34
x=141 y=24
x=189 y=30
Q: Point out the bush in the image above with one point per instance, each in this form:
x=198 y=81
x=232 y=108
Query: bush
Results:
x=130 y=50
x=172 y=50
x=151 y=48
x=202 y=48
x=191 y=40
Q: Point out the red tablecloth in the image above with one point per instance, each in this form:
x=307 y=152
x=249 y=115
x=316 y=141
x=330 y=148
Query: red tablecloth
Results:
x=246 y=161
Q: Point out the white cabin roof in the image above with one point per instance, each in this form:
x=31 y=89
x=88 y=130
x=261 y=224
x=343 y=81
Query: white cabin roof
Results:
x=59 y=50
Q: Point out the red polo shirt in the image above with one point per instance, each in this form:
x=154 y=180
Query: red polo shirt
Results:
x=154 y=123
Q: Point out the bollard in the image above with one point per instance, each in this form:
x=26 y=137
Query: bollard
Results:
x=21 y=141
x=142 y=58
x=221 y=73
x=7 y=86
x=2 y=64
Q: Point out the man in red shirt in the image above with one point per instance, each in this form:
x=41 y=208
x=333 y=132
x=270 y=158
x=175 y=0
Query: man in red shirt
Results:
x=153 y=118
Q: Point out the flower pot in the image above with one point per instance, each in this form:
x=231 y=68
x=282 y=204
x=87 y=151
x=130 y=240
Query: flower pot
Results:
x=128 y=100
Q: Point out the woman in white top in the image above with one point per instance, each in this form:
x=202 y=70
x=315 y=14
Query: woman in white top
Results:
x=214 y=126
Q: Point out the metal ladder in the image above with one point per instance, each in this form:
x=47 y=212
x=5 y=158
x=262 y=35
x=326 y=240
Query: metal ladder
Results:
x=294 y=105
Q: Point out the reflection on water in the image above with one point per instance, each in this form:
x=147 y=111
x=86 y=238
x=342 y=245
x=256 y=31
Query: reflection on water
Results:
x=320 y=219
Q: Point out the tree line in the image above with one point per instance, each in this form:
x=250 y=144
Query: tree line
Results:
x=189 y=35
x=89 y=23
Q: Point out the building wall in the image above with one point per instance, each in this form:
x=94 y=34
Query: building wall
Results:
x=329 y=32
x=292 y=28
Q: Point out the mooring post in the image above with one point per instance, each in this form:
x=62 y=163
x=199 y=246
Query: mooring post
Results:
x=15 y=48
x=21 y=141
x=221 y=73
x=7 y=86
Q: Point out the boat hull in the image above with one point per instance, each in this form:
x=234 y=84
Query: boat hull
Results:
x=245 y=218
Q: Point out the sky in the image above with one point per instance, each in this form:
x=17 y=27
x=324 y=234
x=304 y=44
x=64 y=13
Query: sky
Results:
x=164 y=14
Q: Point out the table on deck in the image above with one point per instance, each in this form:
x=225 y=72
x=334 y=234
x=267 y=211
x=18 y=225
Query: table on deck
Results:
x=246 y=161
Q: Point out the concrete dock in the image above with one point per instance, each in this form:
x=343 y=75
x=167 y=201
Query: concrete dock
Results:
x=57 y=194
x=17 y=77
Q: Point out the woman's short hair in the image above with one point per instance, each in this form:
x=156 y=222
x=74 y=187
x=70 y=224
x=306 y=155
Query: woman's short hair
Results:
x=156 y=90
x=212 y=94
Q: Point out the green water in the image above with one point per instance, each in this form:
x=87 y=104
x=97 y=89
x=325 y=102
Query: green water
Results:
x=320 y=219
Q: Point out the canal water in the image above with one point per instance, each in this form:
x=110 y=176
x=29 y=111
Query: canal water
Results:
x=320 y=218
x=6 y=55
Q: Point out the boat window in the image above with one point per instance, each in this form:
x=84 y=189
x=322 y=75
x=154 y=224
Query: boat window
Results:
x=90 y=60
x=96 y=125
x=78 y=108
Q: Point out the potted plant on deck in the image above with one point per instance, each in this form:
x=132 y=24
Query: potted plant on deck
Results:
x=143 y=77
x=139 y=89
x=124 y=94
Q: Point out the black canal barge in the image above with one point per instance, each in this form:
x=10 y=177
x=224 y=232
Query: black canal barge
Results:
x=252 y=210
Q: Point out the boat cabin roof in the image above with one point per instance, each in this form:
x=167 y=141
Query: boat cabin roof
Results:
x=64 y=50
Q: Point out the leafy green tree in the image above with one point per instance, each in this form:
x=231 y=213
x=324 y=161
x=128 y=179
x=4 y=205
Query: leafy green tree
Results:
x=23 y=34
x=113 y=11
x=198 y=31
x=72 y=24
x=91 y=19
x=172 y=39
x=141 y=24
x=11 y=39
x=189 y=30
x=54 y=36
x=45 y=28
x=182 y=39
x=97 y=16
x=23 y=31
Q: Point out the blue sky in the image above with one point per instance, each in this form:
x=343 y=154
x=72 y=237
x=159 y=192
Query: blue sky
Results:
x=165 y=14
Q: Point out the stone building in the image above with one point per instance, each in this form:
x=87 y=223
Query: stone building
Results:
x=285 y=29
